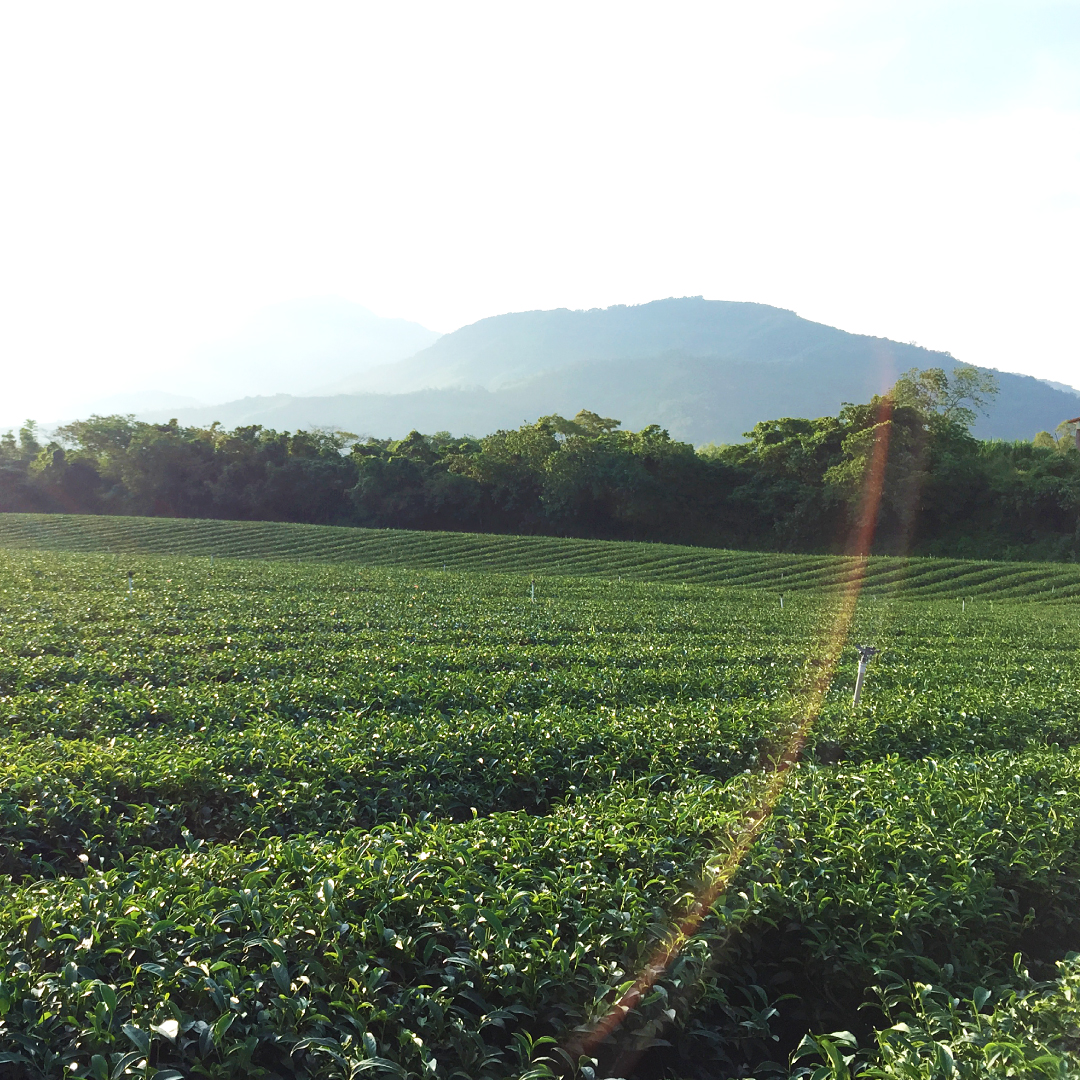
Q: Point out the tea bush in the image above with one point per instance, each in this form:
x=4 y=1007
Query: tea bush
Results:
x=300 y=820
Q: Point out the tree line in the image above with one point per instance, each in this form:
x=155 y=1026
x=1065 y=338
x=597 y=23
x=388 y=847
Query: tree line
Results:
x=908 y=458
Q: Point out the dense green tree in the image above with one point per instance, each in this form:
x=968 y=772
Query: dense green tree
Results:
x=902 y=473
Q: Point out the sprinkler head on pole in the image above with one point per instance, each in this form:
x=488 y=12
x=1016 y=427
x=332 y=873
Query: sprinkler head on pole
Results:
x=865 y=653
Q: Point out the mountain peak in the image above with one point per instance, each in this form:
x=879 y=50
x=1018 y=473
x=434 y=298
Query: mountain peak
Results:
x=504 y=350
x=707 y=370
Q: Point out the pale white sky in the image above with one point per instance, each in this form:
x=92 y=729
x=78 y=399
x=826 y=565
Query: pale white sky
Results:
x=905 y=169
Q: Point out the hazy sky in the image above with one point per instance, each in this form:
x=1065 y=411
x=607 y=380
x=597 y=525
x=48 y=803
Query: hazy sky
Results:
x=904 y=169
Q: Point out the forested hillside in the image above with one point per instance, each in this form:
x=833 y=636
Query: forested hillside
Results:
x=795 y=485
x=705 y=370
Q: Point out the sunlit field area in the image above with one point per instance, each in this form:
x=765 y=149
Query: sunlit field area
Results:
x=314 y=814
x=881 y=576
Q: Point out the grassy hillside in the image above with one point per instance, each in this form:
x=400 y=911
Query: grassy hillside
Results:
x=911 y=578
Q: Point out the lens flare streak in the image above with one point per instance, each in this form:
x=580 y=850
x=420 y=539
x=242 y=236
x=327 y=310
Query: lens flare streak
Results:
x=776 y=773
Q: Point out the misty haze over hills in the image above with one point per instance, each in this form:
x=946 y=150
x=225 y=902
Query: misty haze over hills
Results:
x=303 y=347
x=707 y=370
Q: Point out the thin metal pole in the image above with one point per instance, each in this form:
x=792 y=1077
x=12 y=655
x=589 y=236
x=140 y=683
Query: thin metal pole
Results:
x=863 y=661
x=865 y=652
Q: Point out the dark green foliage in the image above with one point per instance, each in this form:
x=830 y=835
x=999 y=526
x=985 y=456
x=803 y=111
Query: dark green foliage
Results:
x=796 y=485
x=307 y=820
x=116 y=465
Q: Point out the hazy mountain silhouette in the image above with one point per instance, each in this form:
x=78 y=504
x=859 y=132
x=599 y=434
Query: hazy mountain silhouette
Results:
x=508 y=349
x=301 y=347
x=705 y=369
x=1061 y=386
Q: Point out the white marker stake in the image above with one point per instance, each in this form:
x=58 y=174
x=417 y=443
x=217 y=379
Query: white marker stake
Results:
x=131 y=584
x=963 y=605
x=532 y=591
x=781 y=601
x=865 y=652
x=211 y=562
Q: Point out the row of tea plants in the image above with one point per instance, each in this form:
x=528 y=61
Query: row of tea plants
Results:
x=326 y=820
x=498 y=553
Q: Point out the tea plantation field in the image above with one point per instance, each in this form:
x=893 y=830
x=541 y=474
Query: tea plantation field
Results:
x=884 y=576
x=332 y=819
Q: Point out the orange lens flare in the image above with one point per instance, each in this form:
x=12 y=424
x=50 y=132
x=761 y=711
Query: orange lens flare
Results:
x=832 y=646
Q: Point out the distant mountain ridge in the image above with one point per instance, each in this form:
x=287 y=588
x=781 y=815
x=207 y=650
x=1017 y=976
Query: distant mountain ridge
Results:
x=732 y=406
x=503 y=350
x=1064 y=387
x=705 y=369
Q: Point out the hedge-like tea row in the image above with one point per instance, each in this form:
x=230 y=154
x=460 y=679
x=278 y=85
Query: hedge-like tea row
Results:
x=336 y=820
x=451 y=948
x=923 y=577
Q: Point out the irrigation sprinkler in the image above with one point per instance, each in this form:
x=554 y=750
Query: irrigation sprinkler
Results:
x=532 y=591
x=865 y=653
x=131 y=583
